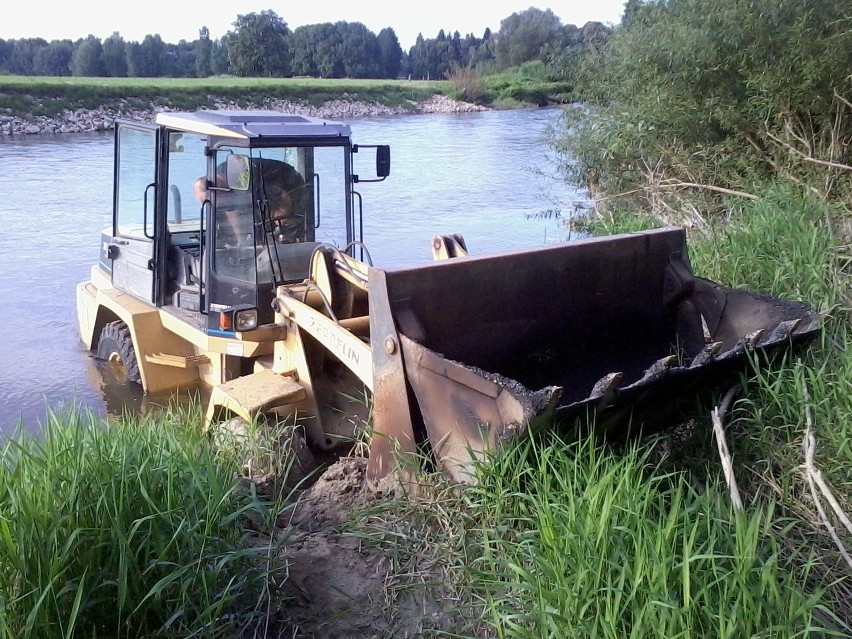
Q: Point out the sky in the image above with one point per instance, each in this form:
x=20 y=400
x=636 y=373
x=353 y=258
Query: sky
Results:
x=177 y=20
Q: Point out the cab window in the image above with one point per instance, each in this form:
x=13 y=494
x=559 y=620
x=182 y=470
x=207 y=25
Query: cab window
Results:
x=135 y=179
x=187 y=164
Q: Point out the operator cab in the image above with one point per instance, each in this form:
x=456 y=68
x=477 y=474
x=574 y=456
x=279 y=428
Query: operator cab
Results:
x=213 y=210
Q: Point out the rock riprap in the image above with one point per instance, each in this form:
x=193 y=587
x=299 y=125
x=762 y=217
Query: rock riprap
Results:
x=102 y=118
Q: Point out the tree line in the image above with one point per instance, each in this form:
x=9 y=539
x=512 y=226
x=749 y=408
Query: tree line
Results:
x=262 y=44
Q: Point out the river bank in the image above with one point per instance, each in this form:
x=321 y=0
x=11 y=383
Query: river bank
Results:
x=102 y=118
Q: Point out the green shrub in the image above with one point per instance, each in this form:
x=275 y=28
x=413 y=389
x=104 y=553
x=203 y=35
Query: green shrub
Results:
x=721 y=93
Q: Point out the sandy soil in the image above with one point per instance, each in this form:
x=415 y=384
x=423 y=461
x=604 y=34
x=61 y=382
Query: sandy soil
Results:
x=338 y=585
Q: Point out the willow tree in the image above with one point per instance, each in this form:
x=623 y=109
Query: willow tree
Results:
x=724 y=94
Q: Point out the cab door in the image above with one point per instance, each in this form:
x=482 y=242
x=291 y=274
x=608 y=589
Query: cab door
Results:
x=133 y=249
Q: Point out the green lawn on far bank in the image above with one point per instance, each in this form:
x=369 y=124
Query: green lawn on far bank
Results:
x=48 y=96
x=32 y=96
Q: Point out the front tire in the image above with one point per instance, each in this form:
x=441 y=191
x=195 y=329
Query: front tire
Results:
x=115 y=347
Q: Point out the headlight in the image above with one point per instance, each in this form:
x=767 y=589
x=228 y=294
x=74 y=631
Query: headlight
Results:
x=245 y=320
x=238 y=318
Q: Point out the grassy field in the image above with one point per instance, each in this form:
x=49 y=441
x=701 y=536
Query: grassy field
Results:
x=25 y=95
x=8 y=82
x=48 y=96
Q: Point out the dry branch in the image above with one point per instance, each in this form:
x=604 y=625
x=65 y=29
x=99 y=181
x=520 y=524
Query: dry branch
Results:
x=815 y=480
x=842 y=99
x=708 y=187
x=718 y=415
x=808 y=158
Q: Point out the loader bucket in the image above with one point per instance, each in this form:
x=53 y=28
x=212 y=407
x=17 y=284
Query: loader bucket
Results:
x=493 y=346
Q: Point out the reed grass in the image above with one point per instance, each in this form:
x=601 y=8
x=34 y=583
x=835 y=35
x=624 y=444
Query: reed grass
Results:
x=788 y=244
x=132 y=529
x=579 y=540
x=783 y=245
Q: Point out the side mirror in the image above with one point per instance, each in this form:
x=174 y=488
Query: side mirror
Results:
x=237 y=172
x=383 y=160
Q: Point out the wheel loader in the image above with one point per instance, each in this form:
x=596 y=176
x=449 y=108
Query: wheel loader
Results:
x=236 y=258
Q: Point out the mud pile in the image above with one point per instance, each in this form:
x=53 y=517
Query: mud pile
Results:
x=338 y=585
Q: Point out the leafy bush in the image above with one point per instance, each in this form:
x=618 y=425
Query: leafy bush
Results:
x=721 y=93
x=526 y=85
x=467 y=82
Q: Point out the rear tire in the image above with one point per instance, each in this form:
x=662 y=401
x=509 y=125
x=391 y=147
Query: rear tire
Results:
x=115 y=346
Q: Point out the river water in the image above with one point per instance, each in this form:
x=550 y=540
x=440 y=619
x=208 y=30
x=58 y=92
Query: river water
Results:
x=490 y=176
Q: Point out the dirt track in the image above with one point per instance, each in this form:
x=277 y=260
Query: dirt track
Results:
x=337 y=585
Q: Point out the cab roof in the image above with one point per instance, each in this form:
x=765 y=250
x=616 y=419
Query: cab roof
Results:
x=252 y=124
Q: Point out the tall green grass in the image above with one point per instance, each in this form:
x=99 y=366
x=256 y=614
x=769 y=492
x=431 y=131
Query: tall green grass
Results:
x=785 y=244
x=782 y=245
x=571 y=537
x=578 y=540
x=132 y=529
